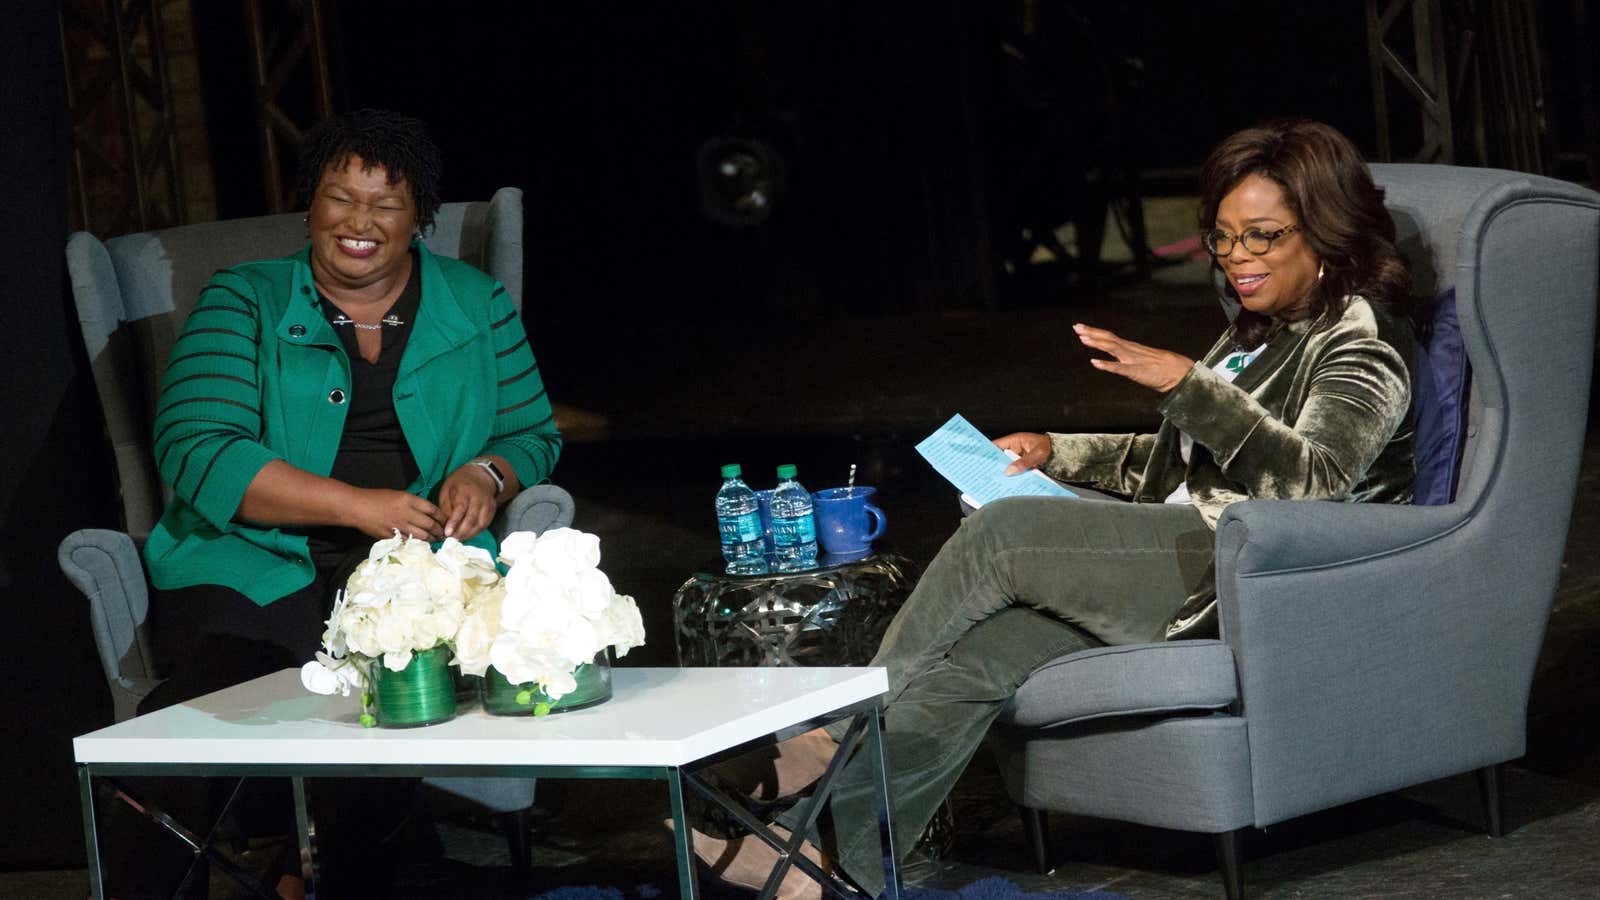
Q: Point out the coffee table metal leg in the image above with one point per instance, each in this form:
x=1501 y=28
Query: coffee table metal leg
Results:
x=865 y=725
x=681 y=839
x=873 y=749
x=91 y=837
x=307 y=829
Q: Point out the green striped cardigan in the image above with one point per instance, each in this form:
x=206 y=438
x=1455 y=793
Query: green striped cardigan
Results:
x=258 y=374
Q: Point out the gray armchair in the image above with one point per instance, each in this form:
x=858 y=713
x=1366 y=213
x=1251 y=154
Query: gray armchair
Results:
x=132 y=295
x=1364 y=648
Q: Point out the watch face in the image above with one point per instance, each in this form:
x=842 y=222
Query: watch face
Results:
x=494 y=471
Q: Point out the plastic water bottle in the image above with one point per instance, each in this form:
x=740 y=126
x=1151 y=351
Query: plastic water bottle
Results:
x=739 y=524
x=794 y=532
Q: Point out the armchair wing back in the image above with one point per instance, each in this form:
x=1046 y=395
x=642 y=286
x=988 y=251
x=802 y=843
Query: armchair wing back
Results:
x=1429 y=619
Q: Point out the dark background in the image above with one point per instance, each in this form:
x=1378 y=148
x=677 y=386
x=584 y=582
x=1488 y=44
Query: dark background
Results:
x=908 y=146
x=899 y=125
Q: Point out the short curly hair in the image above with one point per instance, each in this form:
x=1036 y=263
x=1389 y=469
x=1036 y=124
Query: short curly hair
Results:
x=397 y=142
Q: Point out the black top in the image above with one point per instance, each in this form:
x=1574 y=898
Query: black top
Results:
x=373 y=452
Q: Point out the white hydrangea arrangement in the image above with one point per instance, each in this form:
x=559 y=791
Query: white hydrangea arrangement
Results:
x=555 y=610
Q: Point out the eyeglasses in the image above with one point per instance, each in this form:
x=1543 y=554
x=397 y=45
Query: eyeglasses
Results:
x=1220 y=243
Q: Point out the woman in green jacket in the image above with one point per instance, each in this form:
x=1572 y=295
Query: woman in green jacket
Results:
x=317 y=403
x=1305 y=396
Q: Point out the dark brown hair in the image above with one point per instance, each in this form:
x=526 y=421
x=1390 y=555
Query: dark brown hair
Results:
x=1338 y=208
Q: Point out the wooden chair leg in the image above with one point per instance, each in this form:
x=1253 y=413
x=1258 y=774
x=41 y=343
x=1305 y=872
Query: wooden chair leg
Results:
x=1491 y=792
x=1228 y=845
x=1037 y=828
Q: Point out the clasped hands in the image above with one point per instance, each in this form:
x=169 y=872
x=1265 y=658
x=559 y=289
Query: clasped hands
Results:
x=467 y=504
x=1157 y=369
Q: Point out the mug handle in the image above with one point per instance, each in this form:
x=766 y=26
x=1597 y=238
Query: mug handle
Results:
x=881 y=520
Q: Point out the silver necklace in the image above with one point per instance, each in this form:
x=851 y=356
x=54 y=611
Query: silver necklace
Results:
x=391 y=320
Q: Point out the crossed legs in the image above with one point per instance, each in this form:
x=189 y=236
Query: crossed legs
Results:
x=1021 y=582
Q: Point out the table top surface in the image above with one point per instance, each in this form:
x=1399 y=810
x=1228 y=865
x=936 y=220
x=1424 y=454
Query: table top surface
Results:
x=657 y=717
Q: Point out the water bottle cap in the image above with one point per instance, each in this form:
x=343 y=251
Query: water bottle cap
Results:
x=731 y=470
x=787 y=470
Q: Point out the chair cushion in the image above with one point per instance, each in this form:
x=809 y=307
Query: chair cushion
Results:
x=1134 y=679
x=1440 y=400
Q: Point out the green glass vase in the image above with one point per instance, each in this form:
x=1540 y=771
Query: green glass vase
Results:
x=420 y=694
x=502 y=698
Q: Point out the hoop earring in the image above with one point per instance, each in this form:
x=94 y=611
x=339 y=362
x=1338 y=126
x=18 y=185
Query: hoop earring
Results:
x=1321 y=267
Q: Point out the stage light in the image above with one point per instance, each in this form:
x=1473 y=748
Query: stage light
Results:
x=741 y=180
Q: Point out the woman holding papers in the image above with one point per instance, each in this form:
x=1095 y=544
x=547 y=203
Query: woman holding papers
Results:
x=1305 y=396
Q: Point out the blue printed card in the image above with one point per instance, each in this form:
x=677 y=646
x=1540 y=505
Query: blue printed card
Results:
x=977 y=468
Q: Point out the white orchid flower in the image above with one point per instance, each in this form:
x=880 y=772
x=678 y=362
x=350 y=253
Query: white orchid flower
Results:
x=468 y=564
x=621 y=627
x=384 y=548
x=524 y=662
x=561 y=551
x=516 y=545
x=325 y=675
x=318 y=678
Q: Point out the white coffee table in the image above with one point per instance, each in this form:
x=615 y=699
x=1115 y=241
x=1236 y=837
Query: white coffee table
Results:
x=662 y=724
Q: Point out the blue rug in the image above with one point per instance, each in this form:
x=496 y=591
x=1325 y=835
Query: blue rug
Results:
x=997 y=888
x=991 y=888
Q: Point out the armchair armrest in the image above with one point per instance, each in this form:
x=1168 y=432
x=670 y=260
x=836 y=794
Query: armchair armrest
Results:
x=536 y=509
x=105 y=566
x=1373 y=645
x=1321 y=533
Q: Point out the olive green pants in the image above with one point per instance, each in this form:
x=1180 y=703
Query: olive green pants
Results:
x=1021 y=582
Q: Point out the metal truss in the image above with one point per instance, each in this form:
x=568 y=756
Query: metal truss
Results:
x=1476 y=75
x=294 y=40
x=125 y=170
x=1426 y=81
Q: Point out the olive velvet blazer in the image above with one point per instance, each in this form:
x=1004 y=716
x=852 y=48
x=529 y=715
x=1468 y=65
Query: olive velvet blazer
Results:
x=1322 y=414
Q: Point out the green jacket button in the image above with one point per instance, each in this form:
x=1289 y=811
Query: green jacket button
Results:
x=297 y=331
x=336 y=396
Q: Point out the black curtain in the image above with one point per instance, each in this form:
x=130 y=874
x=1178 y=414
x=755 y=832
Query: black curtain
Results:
x=55 y=470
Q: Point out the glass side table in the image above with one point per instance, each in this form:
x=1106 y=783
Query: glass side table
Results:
x=833 y=615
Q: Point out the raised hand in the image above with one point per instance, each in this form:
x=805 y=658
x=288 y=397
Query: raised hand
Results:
x=1157 y=369
x=1031 y=449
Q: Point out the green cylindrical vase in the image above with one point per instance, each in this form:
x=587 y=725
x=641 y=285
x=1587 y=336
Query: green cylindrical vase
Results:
x=500 y=697
x=420 y=694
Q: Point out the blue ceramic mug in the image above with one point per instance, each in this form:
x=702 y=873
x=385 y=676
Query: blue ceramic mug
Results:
x=846 y=522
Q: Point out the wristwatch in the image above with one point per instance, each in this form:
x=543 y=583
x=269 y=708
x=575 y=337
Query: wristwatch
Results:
x=494 y=472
